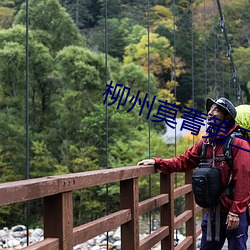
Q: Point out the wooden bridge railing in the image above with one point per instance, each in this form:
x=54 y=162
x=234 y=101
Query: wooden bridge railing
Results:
x=59 y=232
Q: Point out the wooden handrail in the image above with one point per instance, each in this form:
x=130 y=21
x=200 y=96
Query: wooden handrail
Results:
x=58 y=208
x=24 y=190
x=46 y=244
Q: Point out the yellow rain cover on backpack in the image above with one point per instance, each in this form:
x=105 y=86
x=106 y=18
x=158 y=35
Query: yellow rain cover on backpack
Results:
x=243 y=116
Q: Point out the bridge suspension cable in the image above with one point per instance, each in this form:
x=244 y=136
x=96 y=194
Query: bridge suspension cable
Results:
x=175 y=93
x=229 y=53
x=27 y=204
x=149 y=122
x=205 y=49
x=107 y=120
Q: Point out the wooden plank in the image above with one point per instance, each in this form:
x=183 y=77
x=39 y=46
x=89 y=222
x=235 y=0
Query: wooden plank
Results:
x=129 y=196
x=190 y=205
x=198 y=231
x=198 y=208
x=24 y=190
x=152 y=203
x=182 y=218
x=46 y=244
x=185 y=244
x=154 y=238
x=58 y=219
x=167 y=210
x=178 y=192
x=90 y=230
x=98 y=177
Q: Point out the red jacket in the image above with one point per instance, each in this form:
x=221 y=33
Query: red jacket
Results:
x=241 y=169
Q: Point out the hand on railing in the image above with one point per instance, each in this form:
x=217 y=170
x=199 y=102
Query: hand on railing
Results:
x=146 y=162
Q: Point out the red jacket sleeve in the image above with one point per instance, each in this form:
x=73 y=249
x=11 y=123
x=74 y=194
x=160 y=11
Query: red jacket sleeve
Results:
x=241 y=175
x=185 y=162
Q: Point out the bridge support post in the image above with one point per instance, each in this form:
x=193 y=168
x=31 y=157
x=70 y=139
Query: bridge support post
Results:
x=167 y=210
x=190 y=205
x=129 y=198
x=58 y=219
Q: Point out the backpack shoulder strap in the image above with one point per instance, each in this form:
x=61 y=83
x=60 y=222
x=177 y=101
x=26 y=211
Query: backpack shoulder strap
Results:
x=203 y=152
x=227 y=149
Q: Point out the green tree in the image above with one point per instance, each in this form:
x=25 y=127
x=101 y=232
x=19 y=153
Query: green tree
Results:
x=13 y=149
x=132 y=75
x=53 y=25
x=242 y=64
x=84 y=13
x=13 y=60
x=129 y=152
x=161 y=57
x=42 y=163
x=78 y=75
x=136 y=34
x=237 y=21
x=12 y=108
x=117 y=32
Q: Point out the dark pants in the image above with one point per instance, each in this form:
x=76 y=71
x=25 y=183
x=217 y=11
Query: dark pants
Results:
x=237 y=238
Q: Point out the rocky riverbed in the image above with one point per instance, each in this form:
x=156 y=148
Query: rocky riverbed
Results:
x=16 y=238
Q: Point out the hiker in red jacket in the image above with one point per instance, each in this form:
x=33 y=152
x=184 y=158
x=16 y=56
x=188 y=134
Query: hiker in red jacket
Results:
x=233 y=208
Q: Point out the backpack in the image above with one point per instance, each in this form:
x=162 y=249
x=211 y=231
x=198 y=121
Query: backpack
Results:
x=206 y=181
x=243 y=116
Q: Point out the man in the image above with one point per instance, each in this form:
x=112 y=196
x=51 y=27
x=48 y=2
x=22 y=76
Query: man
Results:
x=233 y=212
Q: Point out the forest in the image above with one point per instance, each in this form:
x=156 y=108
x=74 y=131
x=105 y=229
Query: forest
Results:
x=53 y=75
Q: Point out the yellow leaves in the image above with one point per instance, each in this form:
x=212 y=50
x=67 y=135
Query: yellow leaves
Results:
x=189 y=104
x=187 y=141
x=194 y=138
x=129 y=52
x=179 y=66
x=171 y=85
x=165 y=93
x=161 y=16
x=161 y=12
x=160 y=53
x=242 y=55
x=155 y=53
x=6 y=17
